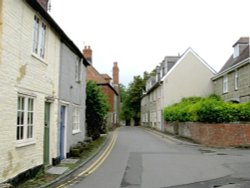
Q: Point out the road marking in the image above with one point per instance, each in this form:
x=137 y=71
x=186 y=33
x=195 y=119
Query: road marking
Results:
x=97 y=163
x=161 y=136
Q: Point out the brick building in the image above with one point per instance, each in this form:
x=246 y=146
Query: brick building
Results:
x=109 y=86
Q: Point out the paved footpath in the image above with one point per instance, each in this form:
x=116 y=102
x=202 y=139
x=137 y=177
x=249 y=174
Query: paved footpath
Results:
x=138 y=158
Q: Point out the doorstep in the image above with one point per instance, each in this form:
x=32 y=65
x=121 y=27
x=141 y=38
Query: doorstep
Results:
x=58 y=170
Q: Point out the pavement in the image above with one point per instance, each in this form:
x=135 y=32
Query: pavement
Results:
x=64 y=171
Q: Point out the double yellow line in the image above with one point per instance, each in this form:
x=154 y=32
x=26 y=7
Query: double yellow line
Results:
x=97 y=163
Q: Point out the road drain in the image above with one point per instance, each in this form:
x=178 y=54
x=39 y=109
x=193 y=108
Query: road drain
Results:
x=206 y=151
x=221 y=154
x=223 y=185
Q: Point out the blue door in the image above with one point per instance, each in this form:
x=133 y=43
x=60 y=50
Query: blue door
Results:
x=62 y=132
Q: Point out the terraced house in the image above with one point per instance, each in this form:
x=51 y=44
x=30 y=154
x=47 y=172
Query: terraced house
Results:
x=176 y=77
x=232 y=82
x=42 y=89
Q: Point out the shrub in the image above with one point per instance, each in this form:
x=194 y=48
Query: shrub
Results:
x=216 y=111
x=96 y=110
x=244 y=112
x=211 y=110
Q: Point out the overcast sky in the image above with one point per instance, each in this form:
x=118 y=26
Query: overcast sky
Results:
x=138 y=34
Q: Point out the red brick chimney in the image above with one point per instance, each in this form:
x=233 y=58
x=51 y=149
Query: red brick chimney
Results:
x=45 y=4
x=87 y=53
x=116 y=76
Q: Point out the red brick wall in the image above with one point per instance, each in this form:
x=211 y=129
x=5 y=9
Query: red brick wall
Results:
x=110 y=96
x=93 y=74
x=219 y=135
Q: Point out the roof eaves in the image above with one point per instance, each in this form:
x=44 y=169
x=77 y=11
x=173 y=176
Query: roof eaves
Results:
x=108 y=84
x=156 y=85
x=243 y=62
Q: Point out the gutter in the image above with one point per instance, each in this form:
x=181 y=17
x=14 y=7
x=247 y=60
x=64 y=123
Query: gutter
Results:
x=243 y=62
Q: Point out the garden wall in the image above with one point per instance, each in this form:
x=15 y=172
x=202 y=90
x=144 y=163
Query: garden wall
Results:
x=219 y=135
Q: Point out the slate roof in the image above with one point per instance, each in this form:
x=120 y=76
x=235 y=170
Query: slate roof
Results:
x=243 y=55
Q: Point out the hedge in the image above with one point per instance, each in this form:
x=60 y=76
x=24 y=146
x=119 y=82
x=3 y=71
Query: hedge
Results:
x=211 y=110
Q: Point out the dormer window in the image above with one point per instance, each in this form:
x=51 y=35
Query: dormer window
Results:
x=240 y=46
x=236 y=50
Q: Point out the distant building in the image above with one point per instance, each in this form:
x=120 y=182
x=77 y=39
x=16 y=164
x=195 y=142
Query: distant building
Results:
x=109 y=86
x=176 y=77
x=232 y=82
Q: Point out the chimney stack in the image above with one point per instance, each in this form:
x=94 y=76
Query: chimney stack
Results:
x=116 y=76
x=87 y=53
x=45 y=4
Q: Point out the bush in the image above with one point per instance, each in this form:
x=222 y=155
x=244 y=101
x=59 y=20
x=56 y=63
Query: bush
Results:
x=211 y=110
x=216 y=111
x=96 y=110
x=244 y=112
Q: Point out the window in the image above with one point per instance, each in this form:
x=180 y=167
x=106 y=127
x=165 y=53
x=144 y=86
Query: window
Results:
x=25 y=117
x=78 y=71
x=39 y=34
x=236 y=80
x=225 y=84
x=76 y=120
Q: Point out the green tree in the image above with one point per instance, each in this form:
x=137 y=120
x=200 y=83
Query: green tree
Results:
x=131 y=98
x=96 y=111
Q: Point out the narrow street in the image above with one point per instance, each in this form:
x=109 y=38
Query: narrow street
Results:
x=144 y=159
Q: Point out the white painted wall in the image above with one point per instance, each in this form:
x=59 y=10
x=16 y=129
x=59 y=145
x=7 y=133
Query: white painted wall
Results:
x=20 y=71
x=189 y=77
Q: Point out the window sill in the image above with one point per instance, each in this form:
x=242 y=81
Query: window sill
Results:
x=23 y=143
x=76 y=132
x=39 y=58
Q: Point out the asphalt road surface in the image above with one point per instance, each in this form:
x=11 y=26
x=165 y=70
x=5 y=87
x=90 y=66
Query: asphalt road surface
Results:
x=142 y=159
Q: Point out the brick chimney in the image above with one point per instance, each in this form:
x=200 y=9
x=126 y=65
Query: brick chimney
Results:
x=87 y=53
x=116 y=76
x=45 y=4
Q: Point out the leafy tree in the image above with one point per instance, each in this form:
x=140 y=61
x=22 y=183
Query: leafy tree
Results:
x=131 y=98
x=96 y=111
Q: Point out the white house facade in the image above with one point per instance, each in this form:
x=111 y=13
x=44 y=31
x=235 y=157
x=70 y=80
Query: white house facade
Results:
x=33 y=55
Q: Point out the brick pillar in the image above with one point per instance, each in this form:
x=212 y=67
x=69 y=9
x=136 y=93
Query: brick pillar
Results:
x=87 y=53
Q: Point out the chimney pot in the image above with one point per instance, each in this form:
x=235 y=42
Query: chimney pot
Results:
x=87 y=53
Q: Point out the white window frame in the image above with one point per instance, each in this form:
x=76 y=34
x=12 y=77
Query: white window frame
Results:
x=78 y=71
x=26 y=123
x=225 y=84
x=236 y=80
x=76 y=120
x=39 y=37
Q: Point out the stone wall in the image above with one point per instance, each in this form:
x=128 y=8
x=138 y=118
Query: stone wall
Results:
x=219 y=135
